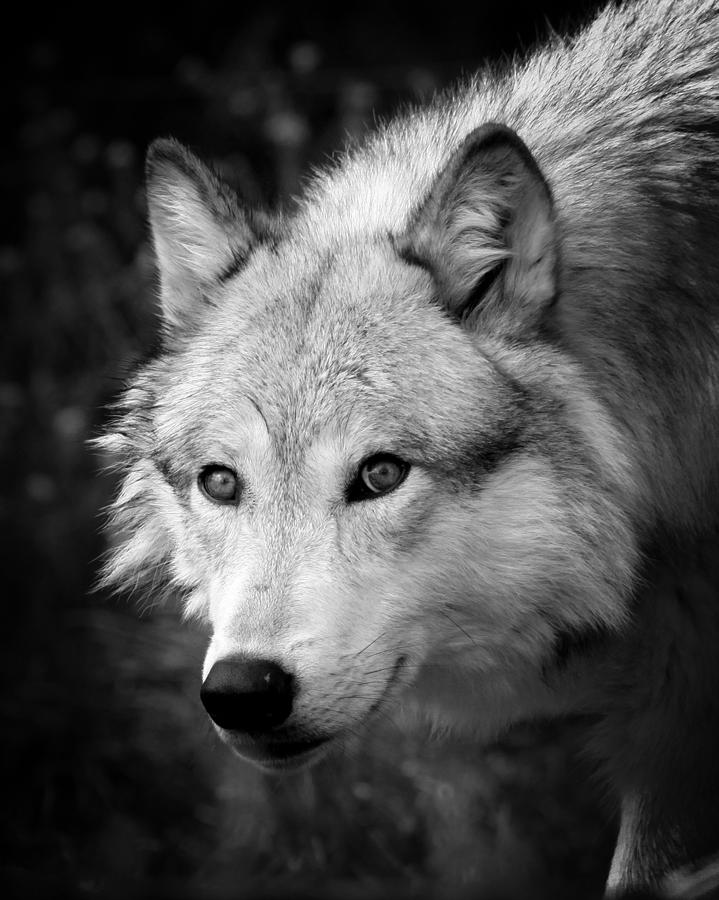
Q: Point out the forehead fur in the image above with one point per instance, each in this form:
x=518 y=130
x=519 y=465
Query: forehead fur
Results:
x=334 y=340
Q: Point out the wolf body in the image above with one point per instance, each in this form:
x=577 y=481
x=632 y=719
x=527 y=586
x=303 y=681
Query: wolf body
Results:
x=448 y=431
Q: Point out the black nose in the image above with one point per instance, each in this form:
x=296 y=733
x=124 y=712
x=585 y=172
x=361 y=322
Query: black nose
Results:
x=243 y=694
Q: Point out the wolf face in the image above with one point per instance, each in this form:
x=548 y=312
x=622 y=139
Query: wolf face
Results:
x=360 y=454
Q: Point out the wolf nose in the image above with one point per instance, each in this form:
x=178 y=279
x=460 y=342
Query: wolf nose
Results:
x=243 y=694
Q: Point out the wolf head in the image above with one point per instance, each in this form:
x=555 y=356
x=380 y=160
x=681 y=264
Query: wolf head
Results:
x=363 y=454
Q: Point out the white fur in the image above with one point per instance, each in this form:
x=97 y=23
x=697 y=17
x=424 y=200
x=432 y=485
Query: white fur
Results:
x=564 y=428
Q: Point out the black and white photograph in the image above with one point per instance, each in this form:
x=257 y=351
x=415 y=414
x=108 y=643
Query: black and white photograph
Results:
x=359 y=418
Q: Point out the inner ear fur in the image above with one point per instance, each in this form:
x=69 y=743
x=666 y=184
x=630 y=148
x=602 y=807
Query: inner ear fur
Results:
x=486 y=231
x=199 y=229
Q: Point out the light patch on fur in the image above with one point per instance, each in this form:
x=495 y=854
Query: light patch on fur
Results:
x=623 y=859
x=629 y=863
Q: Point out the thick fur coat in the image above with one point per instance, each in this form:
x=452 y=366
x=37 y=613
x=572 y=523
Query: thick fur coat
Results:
x=508 y=300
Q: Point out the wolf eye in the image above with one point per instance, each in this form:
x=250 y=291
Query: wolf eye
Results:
x=378 y=475
x=219 y=484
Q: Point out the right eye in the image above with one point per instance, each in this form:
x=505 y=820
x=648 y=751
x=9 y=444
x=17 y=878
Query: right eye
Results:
x=378 y=475
x=219 y=484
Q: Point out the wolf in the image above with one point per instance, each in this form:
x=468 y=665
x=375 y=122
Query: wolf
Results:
x=447 y=432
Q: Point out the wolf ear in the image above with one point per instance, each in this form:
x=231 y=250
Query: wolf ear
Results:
x=199 y=230
x=486 y=232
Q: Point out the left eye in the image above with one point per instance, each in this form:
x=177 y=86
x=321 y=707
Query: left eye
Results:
x=378 y=475
x=219 y=484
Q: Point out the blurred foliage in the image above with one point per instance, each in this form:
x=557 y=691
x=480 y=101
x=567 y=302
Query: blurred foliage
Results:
x=115 y=782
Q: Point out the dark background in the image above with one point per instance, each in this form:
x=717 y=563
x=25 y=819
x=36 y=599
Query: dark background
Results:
x=113 y=781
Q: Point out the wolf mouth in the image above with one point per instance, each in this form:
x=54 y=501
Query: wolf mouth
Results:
x=285 y=755
x=281 y=754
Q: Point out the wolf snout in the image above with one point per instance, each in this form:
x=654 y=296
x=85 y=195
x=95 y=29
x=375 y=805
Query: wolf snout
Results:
x=247 y=695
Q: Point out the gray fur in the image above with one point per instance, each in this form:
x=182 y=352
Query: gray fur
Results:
x=562 y=435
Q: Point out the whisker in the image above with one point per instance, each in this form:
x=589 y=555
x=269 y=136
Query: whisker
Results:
x=457 y=625
x=374 y=641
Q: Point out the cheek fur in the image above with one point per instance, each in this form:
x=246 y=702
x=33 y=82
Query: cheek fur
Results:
x=161 y=538
x=145 y=521
x=514 y=561
x=525 y=541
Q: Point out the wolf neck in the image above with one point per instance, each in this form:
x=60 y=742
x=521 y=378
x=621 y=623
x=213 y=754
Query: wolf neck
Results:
x=660 y=737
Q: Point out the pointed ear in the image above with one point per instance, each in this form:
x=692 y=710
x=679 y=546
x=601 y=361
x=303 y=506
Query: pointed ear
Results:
x=199 y=231
x=486 y=232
